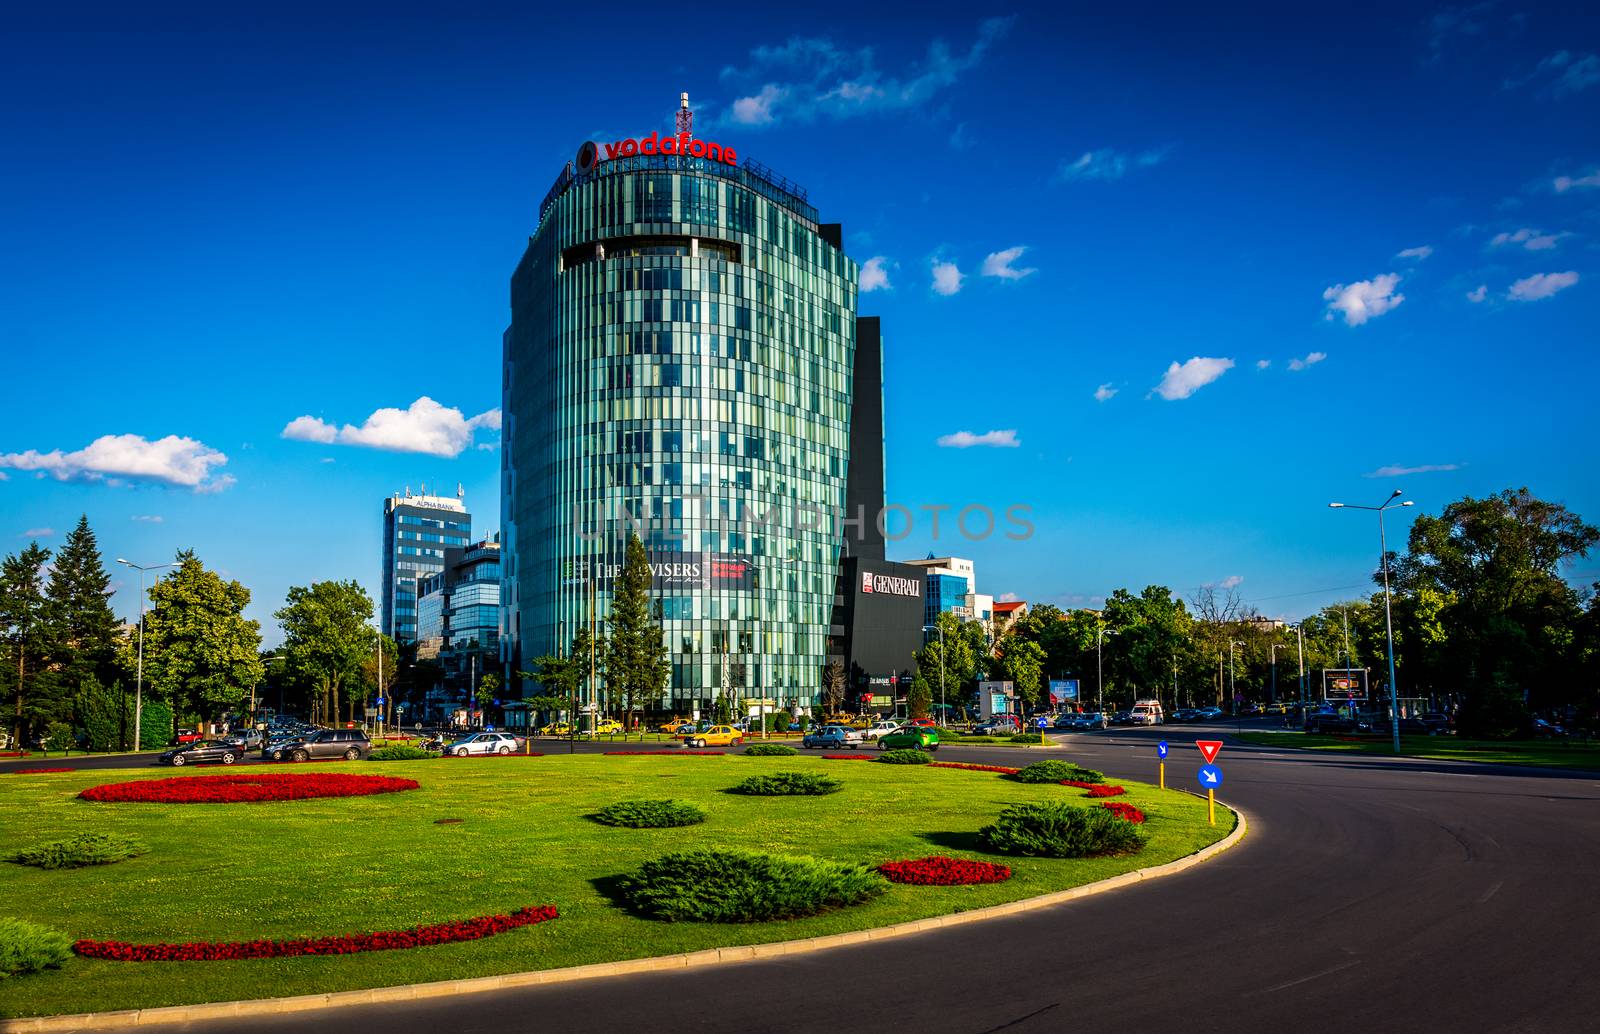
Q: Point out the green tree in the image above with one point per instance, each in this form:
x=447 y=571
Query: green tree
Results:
x=101 y=715
x=81 y=591
x=1021 y=662
x=27 y=621
x=637 y=664
x=919 y=699
x=328 y=639
x=200 y=652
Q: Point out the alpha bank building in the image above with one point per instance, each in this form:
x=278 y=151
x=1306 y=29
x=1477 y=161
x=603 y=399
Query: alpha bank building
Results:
x=685 y=362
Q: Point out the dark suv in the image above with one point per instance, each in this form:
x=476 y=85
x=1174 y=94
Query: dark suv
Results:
x=350 y=744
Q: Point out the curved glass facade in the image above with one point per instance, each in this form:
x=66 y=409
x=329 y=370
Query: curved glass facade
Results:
x=679 y=364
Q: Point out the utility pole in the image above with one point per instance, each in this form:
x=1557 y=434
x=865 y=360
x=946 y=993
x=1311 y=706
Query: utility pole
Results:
x=138 y=684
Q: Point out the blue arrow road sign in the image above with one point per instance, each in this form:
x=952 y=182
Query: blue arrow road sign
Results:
x=1210 y=777
x=1161 y=750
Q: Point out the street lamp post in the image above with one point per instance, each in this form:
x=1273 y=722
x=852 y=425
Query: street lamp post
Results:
x=1099 y=669
x=1233 y=690
x=944 y=716
x=138 y=679
x=1388 y=616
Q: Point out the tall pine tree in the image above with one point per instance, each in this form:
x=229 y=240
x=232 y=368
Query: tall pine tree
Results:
x=637 y=668
x=80 y=590
x=27 y=627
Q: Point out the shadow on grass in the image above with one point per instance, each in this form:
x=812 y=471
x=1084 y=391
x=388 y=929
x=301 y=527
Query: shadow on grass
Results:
x=611 y=888
x=956 y=841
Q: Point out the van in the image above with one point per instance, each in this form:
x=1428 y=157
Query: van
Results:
x=1146 y=712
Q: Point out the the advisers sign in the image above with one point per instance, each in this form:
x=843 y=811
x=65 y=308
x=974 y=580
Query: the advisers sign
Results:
x=672 y=571
x=1344 y=684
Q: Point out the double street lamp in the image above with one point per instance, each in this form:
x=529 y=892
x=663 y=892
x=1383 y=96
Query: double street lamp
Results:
x=944 y=716
x=138 y=680
x=1099 y=669
x=1388 y=617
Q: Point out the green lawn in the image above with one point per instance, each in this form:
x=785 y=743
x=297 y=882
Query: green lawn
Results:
x=307 y=868
x=1540 y=753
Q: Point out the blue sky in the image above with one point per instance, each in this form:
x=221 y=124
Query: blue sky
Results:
x=1179 y=277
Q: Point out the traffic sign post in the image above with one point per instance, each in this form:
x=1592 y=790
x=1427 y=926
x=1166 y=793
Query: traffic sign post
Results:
x=1209 y=749
x=1161 y=752
x=1210 y=777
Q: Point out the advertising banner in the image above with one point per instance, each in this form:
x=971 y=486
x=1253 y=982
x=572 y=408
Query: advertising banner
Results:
x=994 y=698
x=1063 y=691
x=670 y=572
x=1344 y=684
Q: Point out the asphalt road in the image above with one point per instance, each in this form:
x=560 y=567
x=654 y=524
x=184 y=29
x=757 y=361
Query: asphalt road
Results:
x=1370 y=895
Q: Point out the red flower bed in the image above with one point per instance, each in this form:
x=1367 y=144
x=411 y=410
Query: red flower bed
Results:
x=14 y=754
x=1126 y=811
x=347 y=944
x=974 y=768
x=37 y=771
x=242 y=788
x=848 y=757
x=662 y=753
x=939 y=871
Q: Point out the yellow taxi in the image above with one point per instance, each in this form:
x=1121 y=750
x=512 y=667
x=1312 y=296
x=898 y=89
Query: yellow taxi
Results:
x=716 y=736
x=607 y=726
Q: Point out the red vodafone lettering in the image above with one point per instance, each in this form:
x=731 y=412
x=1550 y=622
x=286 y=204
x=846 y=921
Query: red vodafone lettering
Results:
x=681 y=144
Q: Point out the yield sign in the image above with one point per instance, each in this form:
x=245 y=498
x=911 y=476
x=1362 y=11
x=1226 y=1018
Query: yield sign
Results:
x=1208 y=749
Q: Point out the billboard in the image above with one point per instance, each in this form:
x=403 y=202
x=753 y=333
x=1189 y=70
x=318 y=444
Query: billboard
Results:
x=1063 y=691
x=994 y=698
x=670 y=571
x=1344 y=684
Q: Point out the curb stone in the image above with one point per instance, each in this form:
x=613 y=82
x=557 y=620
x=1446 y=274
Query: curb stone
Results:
x=685 y=960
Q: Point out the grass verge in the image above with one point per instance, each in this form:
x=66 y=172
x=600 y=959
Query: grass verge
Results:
x=1536 y=753
x=295 y=869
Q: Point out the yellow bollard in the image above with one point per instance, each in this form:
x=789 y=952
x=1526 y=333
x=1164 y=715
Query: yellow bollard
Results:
x=1211 y=805
x=1163 y=765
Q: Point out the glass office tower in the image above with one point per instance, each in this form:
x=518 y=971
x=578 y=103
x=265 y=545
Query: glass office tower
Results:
x=679 y=365
x=417 y=529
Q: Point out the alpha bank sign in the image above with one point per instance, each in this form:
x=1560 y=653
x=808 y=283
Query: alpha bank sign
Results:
x=891 y=585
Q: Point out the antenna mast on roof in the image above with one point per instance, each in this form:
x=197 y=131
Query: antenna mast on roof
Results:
x=685 y=116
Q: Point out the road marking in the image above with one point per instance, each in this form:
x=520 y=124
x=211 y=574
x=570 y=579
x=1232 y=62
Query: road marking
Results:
x=1302 y=980
x=1491 y=892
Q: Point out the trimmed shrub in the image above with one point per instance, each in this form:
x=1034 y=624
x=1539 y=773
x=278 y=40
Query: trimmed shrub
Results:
x=744 y=887
x=400 y=752
x=788 y=784
x=83 y=849
x=1060 y=831
x=1054 y=771
x=904 y=757
x=770 y=750
x=59 y=737
x=1025 y=737
x=650 y=814
x=155 y=725
x=28 y=947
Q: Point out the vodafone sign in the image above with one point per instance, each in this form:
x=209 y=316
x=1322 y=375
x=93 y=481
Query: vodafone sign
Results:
x=592 y=154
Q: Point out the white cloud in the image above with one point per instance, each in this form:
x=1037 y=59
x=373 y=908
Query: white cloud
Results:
x=1395 y=470
x=1184 y=380
x=1418 y=253
x=1566 y=183
x=1561 y=73
x=1530 y=239
x=426 y=427
x=1262 y=364
x=1233 y=581
x=756 y=110
x=874 y=275
x=1108 y=164
x=966 y=440
x=1364 y=299
x=1311 y=360
x=947 y=278
x=1541 y=285
x=172 y=460
x=811 y=78
x=1478 y=294
x=1105 y=392
x=999 y=264
x=37 y=533
x=1008 y=597
x=148 y=518
x=4 y=476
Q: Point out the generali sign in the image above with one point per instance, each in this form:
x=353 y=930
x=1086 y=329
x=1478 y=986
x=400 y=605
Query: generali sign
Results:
x=891 y=584
x=592 y=154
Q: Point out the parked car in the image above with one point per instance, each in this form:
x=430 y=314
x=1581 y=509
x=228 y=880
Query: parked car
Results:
x=1440 y=722
x=350 y=744
x=276 y=746
x=999 y=725
x=1184 y=714
x=1090 y=720
x=672 y=725
x=246 y=741
x=1333 y=721
x=1546 y=730
x=200 y=751
x=1146 y=712
x=910 y=738
x=833 y=736
x=483 y=743
x=925 y=722
x=1209 y=714
x=717 y=736
x=186 y=736
x=882 y=728
x=1122 y=718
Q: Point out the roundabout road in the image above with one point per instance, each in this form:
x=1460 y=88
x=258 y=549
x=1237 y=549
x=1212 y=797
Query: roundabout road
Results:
x=1371 y=894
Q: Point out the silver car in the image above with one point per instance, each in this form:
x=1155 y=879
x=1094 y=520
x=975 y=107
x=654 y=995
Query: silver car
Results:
x=482 y=743
x=834 y=736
